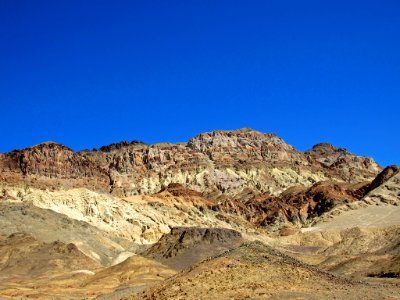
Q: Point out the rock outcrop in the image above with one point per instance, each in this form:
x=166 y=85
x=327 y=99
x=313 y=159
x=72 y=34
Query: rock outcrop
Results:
x=297 y=205
x=140 y=219
x=185 y=246
x=51 y=165
x=385 y=188
x=342 y=161
x=305 y=205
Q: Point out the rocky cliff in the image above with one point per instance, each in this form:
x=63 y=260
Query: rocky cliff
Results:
x=219 y=162
x=345 y=163
x=51 y=165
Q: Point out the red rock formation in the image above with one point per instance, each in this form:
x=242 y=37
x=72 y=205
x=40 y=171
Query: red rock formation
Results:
x=296 y=205
x=52 y=165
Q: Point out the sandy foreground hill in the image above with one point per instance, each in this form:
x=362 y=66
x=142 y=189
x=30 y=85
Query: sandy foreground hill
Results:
x=257 y=271
x=229 y=214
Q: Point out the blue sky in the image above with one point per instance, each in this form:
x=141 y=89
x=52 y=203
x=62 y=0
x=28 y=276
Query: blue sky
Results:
x=89 y=73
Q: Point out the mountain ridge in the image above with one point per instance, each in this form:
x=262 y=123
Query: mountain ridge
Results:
x=221 y=161
x=130 y=207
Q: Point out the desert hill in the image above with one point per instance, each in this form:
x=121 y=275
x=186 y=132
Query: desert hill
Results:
x=185 y=246
x=257 y=271
x=49 y=227
x=22 y=255
x=30 y=268
x=133 y=275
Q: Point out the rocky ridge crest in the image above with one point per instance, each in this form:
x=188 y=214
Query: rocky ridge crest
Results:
x=218 y=162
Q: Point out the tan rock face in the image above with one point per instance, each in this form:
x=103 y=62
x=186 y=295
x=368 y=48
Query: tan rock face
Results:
x=385 y=188
x=30 y=268
x=382 y=177
x=216 y=162
x=48 y=226
x=245 y=146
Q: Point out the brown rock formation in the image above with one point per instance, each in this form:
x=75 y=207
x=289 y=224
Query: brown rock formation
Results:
x=301 y=205
x=345 y=163
x=185 y=246
x=217 y=162
x=296 y=205
x=52 y=165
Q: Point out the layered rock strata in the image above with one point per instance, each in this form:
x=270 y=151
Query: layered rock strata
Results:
x=219 y=162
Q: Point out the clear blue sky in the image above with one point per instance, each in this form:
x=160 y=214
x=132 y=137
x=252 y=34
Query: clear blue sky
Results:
x=89 y=73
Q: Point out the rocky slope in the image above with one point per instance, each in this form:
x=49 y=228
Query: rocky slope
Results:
x=140 y=220
x=385 y=188
x=130 y=276
x=49 y=226
x=24 y=256
x=123 y=224
x=297 y=205
x=383 y=191
x=216 y=162
x=347 y=164
x=185 y=246
x=363 y=253
x=257 y=271
x=303 y=206
x=31 y=269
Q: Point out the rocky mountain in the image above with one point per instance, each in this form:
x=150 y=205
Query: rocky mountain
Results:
x=217 y=162
x=171 y=219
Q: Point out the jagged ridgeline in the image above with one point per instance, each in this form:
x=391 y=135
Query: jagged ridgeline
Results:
x=219 y=162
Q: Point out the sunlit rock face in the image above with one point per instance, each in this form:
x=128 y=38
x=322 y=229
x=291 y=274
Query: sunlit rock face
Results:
x=218 y=162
